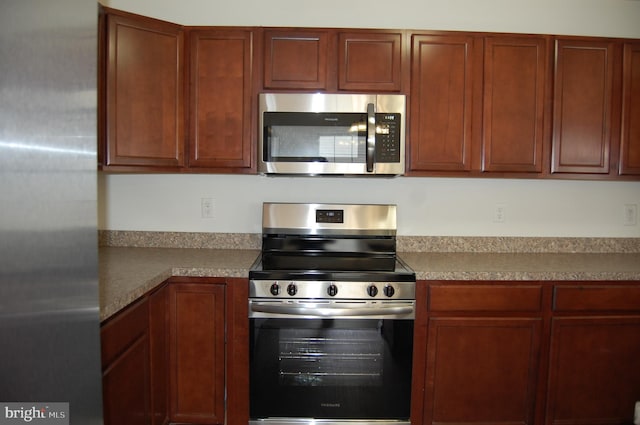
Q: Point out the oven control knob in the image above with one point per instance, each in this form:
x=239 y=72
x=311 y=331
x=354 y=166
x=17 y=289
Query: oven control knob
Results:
x=292 y=289
x=332 y=290
x=274 y=289
x=389 y=291
x=372 y=290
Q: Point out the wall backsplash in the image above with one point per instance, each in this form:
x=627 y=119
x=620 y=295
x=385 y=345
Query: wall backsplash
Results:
x=426 y=206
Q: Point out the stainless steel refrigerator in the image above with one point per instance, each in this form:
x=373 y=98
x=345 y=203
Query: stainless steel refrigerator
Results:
x=49 y=311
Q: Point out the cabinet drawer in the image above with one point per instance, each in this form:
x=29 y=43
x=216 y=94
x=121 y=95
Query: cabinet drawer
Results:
x=123 y=330
x=596 y=298
x=525 y=298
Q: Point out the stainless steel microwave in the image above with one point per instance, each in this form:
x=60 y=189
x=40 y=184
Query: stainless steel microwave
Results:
x=331 y=134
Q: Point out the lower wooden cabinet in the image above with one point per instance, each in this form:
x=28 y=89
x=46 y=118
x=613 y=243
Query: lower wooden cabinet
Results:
x=125 y=367
x=594 y=369
x=197 y=352
x=527 y=353
x=483 y=353
x=165 y=358
x=482 y=370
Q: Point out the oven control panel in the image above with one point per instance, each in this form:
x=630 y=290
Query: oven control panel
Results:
x=332 y=289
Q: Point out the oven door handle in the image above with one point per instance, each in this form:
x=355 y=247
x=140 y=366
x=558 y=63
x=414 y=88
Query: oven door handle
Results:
x=350 y=310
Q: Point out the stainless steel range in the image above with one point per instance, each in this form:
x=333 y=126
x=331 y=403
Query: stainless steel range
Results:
x=331 y=314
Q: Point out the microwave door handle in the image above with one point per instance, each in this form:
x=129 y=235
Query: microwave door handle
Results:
x=371 y=137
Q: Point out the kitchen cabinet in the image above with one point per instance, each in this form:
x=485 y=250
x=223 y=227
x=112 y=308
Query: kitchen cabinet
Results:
x=496 y=85
x=125 y=366
x=143 y=92
x=333 y=60
x=197 y=352
x=514 y=95
x=297 y=59
x=179 y=354
x=583 y=106
x=159 y=355
x=483 y=353
x=441 y=103
x=594 y=372
x=221 y=104
x=630 y=137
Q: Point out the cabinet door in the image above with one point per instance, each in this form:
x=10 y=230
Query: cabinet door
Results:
x=582 y=106
x=196 y=335
x=594 y=371
x=482 y=370
x=144 y=89
x=515 y=74
x=370 y=61
x=220 y=99
x=125 y=362
x=630 y=143
x=441 y=103
x=295 y=59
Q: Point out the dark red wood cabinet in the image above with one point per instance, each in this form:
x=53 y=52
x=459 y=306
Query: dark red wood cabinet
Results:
x=583 y=106
x=594 y=371
x=630 y=137
x=197 y=352
x=220 y=99
x=478 y=104
x=144 y=92
x=333 y=60
x=527 y=352
x=125 y=367
x=179 y=355
x=483 y=353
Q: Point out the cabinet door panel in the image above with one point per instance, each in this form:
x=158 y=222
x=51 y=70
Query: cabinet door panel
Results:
x=370 y=61
x=145 y=116
x=295 y=59
x=582 y=107
x=221 y=102
x=482 y=370
x=630 y=143
x=441 y=103
x=126 y=387
x=125 y=363
x=594 y=371
x=514 y=94
x=196 y=317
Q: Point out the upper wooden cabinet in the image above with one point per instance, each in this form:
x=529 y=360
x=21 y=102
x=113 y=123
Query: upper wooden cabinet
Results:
x=144 y=92
x=630 y=137
x=220 y=99
x=441 y=102
x=514 y=90
x=370 y=61
x=296 y=59
x=493 y=85
x=148 y=102
x=583 y=106
x=333 y=60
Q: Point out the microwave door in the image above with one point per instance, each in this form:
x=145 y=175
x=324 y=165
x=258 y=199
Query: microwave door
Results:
x=371 y=137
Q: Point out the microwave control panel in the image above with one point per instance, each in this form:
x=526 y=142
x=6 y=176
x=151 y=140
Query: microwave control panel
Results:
x=387 y=137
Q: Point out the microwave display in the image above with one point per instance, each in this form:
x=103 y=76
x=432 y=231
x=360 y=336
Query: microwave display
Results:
x=331 y=134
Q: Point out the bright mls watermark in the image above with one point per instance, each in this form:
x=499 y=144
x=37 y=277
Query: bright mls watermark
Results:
x=35 y=413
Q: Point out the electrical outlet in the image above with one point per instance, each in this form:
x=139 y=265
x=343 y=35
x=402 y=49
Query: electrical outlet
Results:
x=500 y=213
x=206 y=207
x=630 y=217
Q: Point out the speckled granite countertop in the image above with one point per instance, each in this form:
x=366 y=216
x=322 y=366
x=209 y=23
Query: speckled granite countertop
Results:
x=128 y=273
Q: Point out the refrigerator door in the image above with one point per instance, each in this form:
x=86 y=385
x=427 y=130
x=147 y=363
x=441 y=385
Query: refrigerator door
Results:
x=49 y=311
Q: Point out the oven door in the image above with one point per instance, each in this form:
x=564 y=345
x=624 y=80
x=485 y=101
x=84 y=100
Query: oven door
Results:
x=338 y=368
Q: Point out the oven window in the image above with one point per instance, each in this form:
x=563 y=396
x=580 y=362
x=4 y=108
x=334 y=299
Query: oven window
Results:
x=331 y=368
